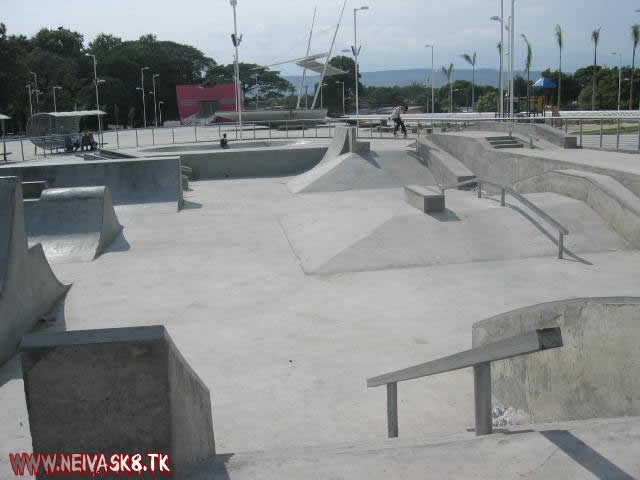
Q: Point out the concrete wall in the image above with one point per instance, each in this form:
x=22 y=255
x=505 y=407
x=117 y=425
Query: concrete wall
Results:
x=593 y=375
x=617 y=206
x=28 y=288
x=508 y=168
x=116 y=390
x=274 y=162
x=129 y=181
x=545 y=132
x=446 y=169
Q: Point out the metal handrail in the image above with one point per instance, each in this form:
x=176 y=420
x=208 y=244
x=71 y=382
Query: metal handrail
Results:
x=562 y=230
x=480 y=359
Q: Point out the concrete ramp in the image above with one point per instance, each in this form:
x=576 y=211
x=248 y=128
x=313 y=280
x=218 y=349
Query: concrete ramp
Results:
x=73 y=224
x=28 y=288
x=362 y=171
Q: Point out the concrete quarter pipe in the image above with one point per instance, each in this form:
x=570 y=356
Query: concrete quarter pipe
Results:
x=72 y=224
x=28 y=287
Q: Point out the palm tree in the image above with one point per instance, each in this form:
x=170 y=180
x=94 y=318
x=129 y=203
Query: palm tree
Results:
x=635 y=36
x=471 y=60
x=527 y=66
x=447 y=73
x=595 y=37
x=560 y=41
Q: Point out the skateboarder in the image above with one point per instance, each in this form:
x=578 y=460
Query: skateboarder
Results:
x=397 y=120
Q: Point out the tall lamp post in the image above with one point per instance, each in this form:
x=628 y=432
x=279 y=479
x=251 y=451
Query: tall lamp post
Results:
x=512 y=48
x=257 y=89
x=619 y=75
x=95 y=81
x=144 y=106
x=55 y=106
x=501 y=79
x=35 y=89
x=356 y=51
x=141 y=91
x=30 y=99
x=343 y=111
x=160 y=110
x=433 y=104
x=155 y=110
x=236 y=43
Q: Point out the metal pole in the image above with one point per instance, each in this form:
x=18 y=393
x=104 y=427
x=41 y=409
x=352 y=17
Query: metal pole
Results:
x=392 y=410
x=22 y=149
x=501 y=59
x=144 y=104
x=433 y=81
x=30 y=100
x=512 y=55
x=560 y=245
x=95 y=79
x=237 y=70
x=136 y=137
x=173 y=136
x=618 y=135
x=580 y=122
x=601 y=132
x=117 y=136
x=482 y=398
x=155 y=111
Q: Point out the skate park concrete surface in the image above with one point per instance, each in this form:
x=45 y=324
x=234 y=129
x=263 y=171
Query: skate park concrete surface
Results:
x=284 y=303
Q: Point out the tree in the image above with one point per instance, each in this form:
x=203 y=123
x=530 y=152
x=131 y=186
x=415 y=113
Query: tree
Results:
x=269 y=83
x=471 y=60
x=488 y=102
x=527 y=66
x=103 y=43
x=559 y=40
x=447 y=73
x=595 y=37
x=332 y=93
x=635 y=37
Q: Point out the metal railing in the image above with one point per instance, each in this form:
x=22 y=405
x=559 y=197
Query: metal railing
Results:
x=480 y=359
x=562 y=230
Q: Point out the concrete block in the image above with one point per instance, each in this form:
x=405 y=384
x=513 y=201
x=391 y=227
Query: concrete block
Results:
x=426 y=199
x=116 y=390
x=33 y=189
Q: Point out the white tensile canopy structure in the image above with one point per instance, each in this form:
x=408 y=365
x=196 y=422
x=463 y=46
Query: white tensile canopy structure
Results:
x=48 y=130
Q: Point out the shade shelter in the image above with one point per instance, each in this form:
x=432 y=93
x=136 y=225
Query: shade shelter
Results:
x=50 y=131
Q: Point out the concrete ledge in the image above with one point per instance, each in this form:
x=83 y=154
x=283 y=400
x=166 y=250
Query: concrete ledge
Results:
x=592 y=376
x=618 y=206
x=425 y=199
x=446 y=169
x=116 y=390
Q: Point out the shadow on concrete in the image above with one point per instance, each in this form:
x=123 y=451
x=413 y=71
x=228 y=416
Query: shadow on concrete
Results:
x=214 y=468
x=445 y=216
x=119 y=244
x=188 y=205
x=371 y=158
x=580 y=452
x=54 y=321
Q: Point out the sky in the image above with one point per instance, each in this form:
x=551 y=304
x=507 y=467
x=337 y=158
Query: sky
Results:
x=392 y=33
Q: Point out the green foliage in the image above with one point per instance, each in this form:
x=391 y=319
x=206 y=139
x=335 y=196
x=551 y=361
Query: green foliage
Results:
x=488 y=102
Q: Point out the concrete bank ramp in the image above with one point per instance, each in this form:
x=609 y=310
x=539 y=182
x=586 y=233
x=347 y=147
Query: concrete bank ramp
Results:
x=594 y=374
x=28 y=288
x=72 y=224
x=469 y=230
x=618 y=206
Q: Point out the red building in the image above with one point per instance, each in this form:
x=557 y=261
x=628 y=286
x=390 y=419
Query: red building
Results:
x=200 y=102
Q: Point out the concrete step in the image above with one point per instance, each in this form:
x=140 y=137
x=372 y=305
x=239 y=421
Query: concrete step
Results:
x=583 y=449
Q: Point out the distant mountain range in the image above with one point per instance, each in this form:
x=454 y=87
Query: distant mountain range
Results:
x=390 y=78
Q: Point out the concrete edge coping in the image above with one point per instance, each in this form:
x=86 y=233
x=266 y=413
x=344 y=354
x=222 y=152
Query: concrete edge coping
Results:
x=63 y=163
x=454 y=165
x=423 y=190
x=593 y=179
x=561 y=303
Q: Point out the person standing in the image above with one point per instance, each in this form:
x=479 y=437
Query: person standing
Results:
x=396 y=116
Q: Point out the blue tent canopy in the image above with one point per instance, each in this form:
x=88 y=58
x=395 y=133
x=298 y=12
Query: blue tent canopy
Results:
x=544 y=82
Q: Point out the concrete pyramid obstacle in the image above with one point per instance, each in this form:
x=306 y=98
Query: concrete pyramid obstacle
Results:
x=73 y=224
x=28 y=287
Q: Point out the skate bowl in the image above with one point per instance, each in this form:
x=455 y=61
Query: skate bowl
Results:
x=28 y=288
x=72 y=224
x=130 y=181
x=258 y=159
x=588 y=378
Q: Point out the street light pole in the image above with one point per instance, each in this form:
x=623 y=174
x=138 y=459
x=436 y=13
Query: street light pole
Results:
x=30 y=100
x=619 y=75
x=433 y=101
x=35 y=82
x=501 y=79
x=236 y=43
x=306 y=96
x=257 y=91
x=55 y=106
x=160 y=110
x=512 y=48
x=95 y=80
x=144 y=106
x=155 y=111
x=356 y=51
x=343 y=110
